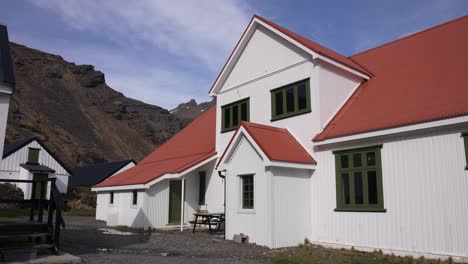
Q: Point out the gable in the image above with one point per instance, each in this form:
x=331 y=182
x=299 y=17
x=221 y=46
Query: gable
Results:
x=12 y=161
x=265 y=53
x=244 y=155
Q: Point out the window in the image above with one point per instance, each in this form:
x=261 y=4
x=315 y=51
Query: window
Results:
x=201 y=187
x=247 y=183
x=111 y=198
x=33 y=155
x=290 y=100
x=233 y=114
x=134 y=197
x=465 y=139
x=359 y=180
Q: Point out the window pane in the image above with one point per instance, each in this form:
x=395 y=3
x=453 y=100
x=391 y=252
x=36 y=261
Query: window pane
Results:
x=111 y=198
x=279 y=103
x=358 y=191
x=247 y=191
x=33 y=155
x=344 y=161
x=244 y=112
x=135 y=197
x=357 y=160
x=235 y=115
x=370 y=157
x=290 y=100
x=345 y=188
x=301 y=97
x=227 y=117
x=372 y=187
x=201 y=187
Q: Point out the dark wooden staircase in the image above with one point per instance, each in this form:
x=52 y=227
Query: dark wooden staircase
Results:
x=36 y=234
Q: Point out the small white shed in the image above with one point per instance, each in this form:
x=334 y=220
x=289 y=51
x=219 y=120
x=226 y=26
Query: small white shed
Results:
x=30 y=159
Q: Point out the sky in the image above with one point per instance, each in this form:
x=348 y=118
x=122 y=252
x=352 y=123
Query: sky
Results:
x=168 y=52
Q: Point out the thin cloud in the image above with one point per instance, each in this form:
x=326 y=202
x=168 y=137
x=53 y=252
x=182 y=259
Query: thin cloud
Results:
x=162 y=52
x=202 y=30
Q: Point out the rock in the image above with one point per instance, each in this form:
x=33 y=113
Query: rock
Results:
x=93 y=79
x=54 y=72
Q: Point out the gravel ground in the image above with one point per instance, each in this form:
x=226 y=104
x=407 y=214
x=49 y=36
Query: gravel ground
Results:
x=83 y=238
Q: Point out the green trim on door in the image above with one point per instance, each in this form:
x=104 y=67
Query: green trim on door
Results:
x=175 y=198
x=40 y=177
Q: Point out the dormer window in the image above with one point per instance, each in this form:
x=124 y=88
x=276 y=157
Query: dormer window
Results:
x=233 y=114
x=33 y=155
x=290 y=100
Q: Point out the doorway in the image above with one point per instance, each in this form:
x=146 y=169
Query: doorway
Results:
x=175 y=199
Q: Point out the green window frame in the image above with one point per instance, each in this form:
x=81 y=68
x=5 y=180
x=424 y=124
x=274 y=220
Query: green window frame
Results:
x=232 y=114
x=33 y=155
x=247 y=185
x=201 y=187
x=290 y=100
x=465 y=140
x=359 y=186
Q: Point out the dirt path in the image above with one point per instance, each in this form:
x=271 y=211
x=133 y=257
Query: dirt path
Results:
x=84 y=239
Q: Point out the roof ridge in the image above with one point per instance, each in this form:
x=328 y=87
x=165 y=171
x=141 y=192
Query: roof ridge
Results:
x=263 y=126
x=408 y=36
x=103 y=163
x=176 y=157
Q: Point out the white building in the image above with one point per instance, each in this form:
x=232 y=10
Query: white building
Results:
x=7 y=81
x=31 y=160
x=368 y=151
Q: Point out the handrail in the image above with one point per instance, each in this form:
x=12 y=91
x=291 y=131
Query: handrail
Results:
x=55 y=204
x=25 y=181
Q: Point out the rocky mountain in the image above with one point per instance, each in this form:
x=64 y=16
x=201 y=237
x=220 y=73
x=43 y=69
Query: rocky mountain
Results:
x=190 y=110
x=81 y=119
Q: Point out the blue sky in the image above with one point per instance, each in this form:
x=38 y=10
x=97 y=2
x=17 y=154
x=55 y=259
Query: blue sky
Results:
x=167 y=52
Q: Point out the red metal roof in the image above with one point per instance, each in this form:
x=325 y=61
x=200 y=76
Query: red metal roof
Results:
x=313 y=46
x=277 y=143
x=419 y=78
x=190 y=146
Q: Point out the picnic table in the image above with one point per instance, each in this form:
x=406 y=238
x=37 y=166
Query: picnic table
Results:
x=208 y=219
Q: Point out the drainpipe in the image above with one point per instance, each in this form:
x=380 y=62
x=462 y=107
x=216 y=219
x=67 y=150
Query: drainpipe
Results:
x=222 y=175
x=183 y=206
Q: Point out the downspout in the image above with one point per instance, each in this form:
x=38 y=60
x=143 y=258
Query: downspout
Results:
x=182 y=209
x=220 y=174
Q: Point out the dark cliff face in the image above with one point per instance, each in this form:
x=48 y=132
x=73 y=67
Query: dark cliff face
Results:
x=191 y=110
x=72 y=110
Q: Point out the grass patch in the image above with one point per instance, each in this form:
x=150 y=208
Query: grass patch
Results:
x=7 y=213
x=10 y=213
x=313 y=254
x=80 y=212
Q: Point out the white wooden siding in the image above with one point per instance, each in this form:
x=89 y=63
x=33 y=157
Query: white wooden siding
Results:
x=157 y=207
x=256 y=223
x=290 y=213
x=4 y=105
x=261 y=56
x=424 y=185
x=335 y=87
x=122 y=211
